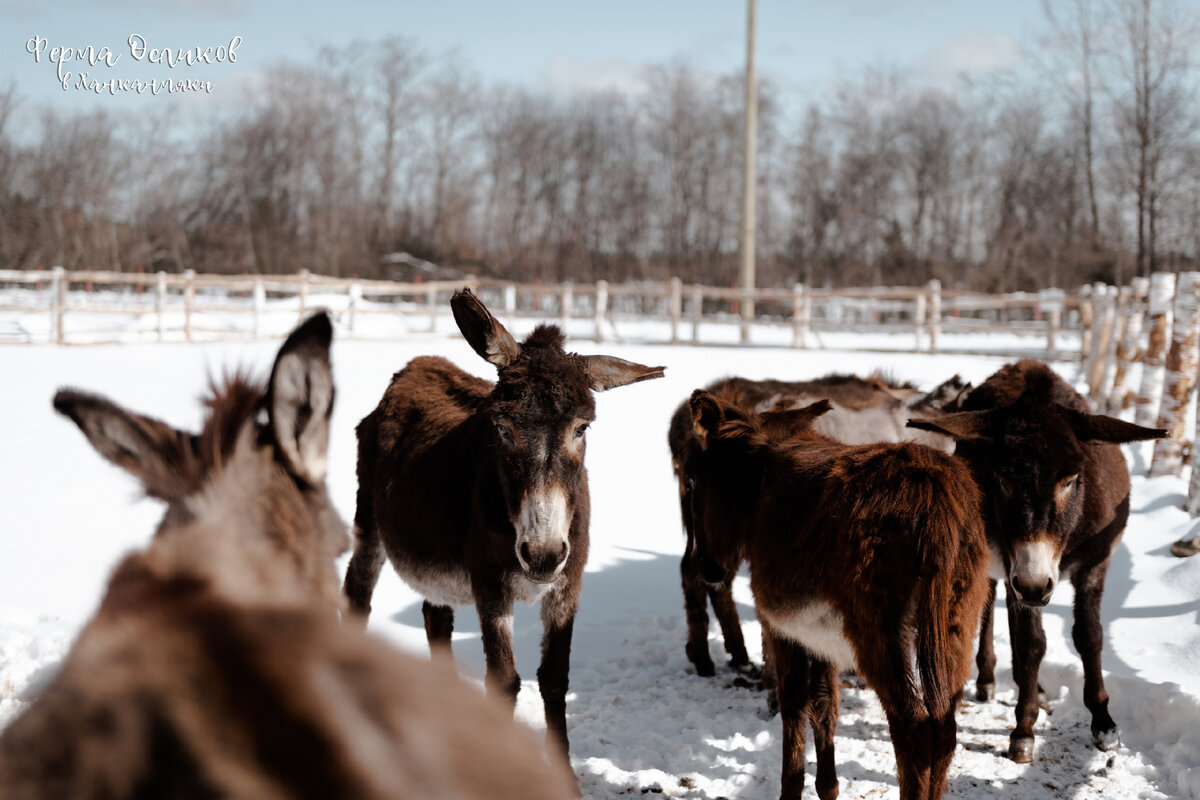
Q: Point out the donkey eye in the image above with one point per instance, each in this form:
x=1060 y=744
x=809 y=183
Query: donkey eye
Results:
x=504 y=431
x=1005 y=487
x=582 y=429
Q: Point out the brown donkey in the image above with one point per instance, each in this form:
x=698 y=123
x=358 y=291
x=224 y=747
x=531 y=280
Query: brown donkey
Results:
x=477 y=492
x=1056 y=491
x=215 y=665
x=864 y=410
x=864 y=556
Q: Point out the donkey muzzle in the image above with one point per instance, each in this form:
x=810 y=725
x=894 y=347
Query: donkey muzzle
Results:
x=1034 y=572
x=543 y=532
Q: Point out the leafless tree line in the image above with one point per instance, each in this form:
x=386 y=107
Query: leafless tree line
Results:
x=1085 y=167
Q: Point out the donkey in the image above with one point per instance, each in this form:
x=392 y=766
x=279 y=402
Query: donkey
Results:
x=864 y=410
x=216 y=665
x=1056 y=490
x=477 y=492
x=865 y=556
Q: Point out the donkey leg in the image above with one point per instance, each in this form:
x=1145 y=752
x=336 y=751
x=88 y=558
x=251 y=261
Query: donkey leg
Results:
x=495 y=626
x=363 y=572
x=945 y=741
x=985 y=659
x=770 y=684
x=792 y=664
x=824 y=699
x=558 y=624
x=912 y=741
x=726 y=613
x=1088 y=635
x=695 y=604
x=1029 y=647
x=439 y=624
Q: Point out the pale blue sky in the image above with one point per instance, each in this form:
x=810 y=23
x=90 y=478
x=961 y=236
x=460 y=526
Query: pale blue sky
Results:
x=804 y=45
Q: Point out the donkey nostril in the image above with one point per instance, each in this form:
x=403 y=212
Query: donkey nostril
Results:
x=525 y=552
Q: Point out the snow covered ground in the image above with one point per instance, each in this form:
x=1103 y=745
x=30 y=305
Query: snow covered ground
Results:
x=641 y=721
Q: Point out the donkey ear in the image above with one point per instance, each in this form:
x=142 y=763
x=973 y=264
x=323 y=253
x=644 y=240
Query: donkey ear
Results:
x=609 y=372
x=152 y=451
x=707 y=415
x=793 y=420
x=482 y=331
x=958 y=426
x=300 y=398
x=1100 y=428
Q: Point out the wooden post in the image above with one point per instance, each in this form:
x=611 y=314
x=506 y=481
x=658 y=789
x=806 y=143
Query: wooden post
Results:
x=919 y=310
x=189 y=302
x=303 y=293
x=697 y=311
x=1179 y=377
x=1119 y=303
x=1050 y=304
x=1121 y=395
x=565 y=300
x=799 y=315
x=354 y=297
x=1086 y=317
x=746 y=303
x=510 y=300
x=160 y=301
x=431 y=302
x=676 y=308
x=935 y=313
x=1103 y=298
x=58 y=304
x=1162 y=292
x=260 y=306
x=601 y=308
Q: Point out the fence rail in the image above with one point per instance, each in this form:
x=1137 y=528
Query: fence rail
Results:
x=176 y=304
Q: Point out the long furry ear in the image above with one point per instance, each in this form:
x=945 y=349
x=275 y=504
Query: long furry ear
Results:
x=482 y=331
x=958 y=426
x=707 y=416
x=300 y=398
x=153 y=452
x=609 y=372
x=1101 y=428
x=781 y=424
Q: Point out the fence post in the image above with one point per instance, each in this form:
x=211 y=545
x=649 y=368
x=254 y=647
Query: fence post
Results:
x=303 y=293
x=1121 y=396
x=260 y=306
x=160 y=301
x=510 y=300
x=58 y=304
x=1119 y=303
x=1179 y=377
x=1050 y=303
x=919 y=311
x=676 y=308
x=1086 y=318
x=935 y=313
x=1103 y=299
x=1162 y=290
x=697 y=311
x=189 y=302
x=601 y=308
x=354 y=298
x=566 y=297
x=799 y=316
x=431 y=302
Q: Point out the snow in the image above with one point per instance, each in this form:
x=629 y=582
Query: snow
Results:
x=640 y=720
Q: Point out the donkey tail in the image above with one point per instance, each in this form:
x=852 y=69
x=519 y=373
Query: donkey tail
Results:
x=363 y=572
x=953 y=557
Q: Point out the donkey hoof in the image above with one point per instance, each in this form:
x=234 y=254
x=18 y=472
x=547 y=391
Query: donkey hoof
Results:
x=1044 y=704
x=748 y=669
x=1107 y=740
x=1020 y=749
x=985 y=692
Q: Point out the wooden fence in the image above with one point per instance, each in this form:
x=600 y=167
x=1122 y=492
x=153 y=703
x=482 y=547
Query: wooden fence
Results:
x=176 y=304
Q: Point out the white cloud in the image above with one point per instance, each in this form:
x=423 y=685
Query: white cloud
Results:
x=970 y=53
x=570 y=75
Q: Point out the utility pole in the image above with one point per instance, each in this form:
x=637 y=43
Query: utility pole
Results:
x=749 y=179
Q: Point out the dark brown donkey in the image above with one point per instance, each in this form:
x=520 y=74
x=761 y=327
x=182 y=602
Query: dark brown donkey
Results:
x=477 y=492
x=216 y=666
x=867 y=556
x=865 y=410
x=1056 y=491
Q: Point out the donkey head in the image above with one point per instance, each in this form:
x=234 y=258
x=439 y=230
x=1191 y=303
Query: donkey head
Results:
x=1035 y=464
x=246 y=496
x=722 y=479
x=540 y=410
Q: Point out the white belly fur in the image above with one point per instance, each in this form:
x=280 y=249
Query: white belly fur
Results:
x=817 y=626
x=453 y=587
